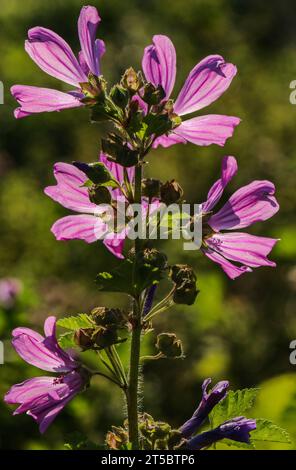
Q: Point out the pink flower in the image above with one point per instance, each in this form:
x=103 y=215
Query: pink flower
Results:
x=10 y=289
x=55 y=57
x=89 y=224
x=206 y=82
x=44 y=397
x=249 y=204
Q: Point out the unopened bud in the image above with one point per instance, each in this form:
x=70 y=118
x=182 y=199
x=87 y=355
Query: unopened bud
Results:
x=96 y=172
x=169 y=345
x=171 y=192
x=131 y=80
x=152 y=95
x=105 y=337
x=83 y=338
x=153 y=257
x=186 y=293
x=99 y=195
x=120 y=96
x=151 y=188
x=182 y=272
x=109 y=317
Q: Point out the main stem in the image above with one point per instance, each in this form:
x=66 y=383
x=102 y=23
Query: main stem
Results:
x=133 y=386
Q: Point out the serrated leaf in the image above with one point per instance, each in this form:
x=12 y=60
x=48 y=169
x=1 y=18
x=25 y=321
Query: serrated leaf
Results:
x=235 y=404
x=268 y=431
x=239 y=445
x=74 y=323
x=66 y=340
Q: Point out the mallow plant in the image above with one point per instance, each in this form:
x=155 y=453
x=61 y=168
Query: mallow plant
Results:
x=111 y=201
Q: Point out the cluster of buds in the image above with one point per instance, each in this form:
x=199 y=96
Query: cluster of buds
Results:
x=104 y=333
x=158 y=434
x=137 y=108
x=185 y=284
x=169 y=346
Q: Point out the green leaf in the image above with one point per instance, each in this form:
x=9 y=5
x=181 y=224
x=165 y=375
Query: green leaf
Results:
x=239 y=445
x=129 y=278
x=66 y=340
x=74 y=323
x=157 y=124
x=268 y=431
x=235 y=404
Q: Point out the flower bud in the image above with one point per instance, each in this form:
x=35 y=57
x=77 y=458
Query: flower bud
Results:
x=119 y=96
x=99 y=195
x=153 y=257
x=186 y=293
x=83 y=338
x=171 y=192
x=117 y=438
x=93 y=90
x=120 y=152
x=105 y=337
x=151 y=188
x=174 y=439
x=152 y=95
x=96 y=172
x=131 y=80
x=169 y=345
x=109 y=317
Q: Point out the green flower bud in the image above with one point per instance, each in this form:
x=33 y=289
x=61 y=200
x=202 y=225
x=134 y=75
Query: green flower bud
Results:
x=99 y=195
x=131 y=80
x=119 y=96
x=151 y=188
x=171 y=192
x=152 y=95
x=109 y=317
x=120 y=152
x=169 y=345
x=153 y=257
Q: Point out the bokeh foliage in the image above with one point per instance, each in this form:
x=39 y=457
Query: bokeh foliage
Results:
x=237 y=330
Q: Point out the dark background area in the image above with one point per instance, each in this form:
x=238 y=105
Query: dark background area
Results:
x=239 y=330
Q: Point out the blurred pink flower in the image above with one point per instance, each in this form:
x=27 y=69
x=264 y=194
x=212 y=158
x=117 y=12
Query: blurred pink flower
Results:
x=10 y=288
x=55 y=57
x=44 y=397
x=249 y=204
x=206 y=82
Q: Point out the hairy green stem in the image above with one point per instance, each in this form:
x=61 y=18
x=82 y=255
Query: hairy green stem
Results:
x=133 y=386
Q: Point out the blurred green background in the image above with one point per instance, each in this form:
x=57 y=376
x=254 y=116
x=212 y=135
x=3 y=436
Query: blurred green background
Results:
x=239 y=330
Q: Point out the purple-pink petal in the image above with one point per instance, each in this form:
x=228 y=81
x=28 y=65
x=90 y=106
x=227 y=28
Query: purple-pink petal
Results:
x=159 y=63
x=229 y=268
x=39 y=100
x=207 y=81
x=243 y=248
x=92 y=49
x=54 y=56
x=42 y=352
x=207 y=130
x=44 y=397
x=249 y=204
x=169 y=140
x=69 y=192
x=80 y=227
x=228 y=170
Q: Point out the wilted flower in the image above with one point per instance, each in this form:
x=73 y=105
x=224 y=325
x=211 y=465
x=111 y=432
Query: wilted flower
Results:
x=55 y=57
x=249 y=204
x=238 y=429
x=206 y=82
x=208 y=401
x=44 y=397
